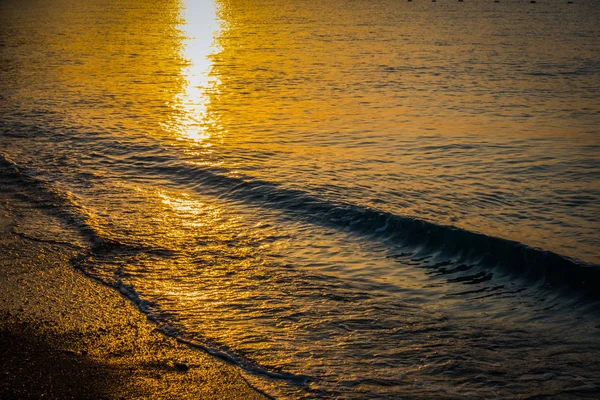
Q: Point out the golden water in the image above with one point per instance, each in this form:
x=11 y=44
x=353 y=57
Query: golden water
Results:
x=322 y=192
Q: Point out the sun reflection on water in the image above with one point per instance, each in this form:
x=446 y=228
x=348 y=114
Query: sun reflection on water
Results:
x=192 y=120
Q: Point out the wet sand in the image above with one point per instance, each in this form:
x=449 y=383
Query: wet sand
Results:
x=63 y=335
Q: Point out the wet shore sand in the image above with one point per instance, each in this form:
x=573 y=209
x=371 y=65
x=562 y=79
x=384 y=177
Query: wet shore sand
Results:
x=63 y=335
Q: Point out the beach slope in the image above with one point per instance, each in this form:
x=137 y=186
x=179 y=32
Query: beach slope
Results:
x=63 y=335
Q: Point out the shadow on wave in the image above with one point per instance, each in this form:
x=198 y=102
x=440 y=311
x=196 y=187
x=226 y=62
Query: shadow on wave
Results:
x=444 y=249
x=452 y=249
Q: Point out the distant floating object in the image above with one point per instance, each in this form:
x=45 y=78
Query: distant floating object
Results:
x=570 y=2
x=460 y=1
x=532 y=1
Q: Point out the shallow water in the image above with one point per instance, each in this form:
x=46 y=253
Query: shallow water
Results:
x=346 y=198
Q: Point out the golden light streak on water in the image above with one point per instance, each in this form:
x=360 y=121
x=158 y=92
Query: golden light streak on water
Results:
x=199 y=27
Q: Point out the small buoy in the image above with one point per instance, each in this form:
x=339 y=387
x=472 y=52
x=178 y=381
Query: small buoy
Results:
x=532 y=1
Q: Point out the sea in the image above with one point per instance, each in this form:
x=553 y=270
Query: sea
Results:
x=354 y=199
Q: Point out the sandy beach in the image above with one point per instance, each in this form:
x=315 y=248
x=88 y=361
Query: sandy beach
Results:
x=63 y=335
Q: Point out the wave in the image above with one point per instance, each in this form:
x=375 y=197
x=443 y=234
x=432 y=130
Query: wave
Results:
x=467 y=256
x=441 y=245
x=445 y=249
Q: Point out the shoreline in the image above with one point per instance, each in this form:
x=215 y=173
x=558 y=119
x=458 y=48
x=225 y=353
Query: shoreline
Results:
x=64 y=335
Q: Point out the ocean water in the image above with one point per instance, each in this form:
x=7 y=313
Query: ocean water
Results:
x=346 y=199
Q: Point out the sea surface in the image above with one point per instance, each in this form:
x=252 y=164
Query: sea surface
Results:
x=345 y=198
